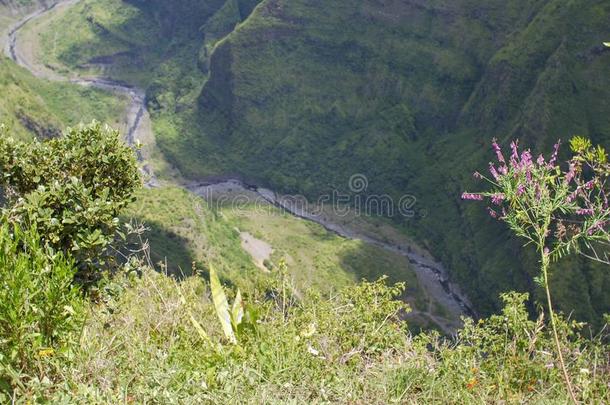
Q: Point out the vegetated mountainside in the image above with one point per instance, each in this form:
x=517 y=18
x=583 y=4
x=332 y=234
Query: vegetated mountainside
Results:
x=33 y=107
x=154 y=44
x=147 y=44
x=190 y=17
x=301 y=95
x=306 y=93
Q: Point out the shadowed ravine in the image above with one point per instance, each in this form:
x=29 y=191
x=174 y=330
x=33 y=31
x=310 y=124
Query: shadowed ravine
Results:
x=432 y=277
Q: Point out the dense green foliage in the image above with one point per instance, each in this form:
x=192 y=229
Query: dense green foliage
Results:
x=41 y=312
x=71 y=189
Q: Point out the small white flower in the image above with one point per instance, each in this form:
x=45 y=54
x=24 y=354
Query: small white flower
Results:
x=312 y=351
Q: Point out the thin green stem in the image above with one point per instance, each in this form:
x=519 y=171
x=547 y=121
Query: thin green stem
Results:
x=545 y=267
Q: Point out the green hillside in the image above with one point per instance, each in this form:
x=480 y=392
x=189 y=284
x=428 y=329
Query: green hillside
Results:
x=301 y=95
x=304 y=95
x=34 y=107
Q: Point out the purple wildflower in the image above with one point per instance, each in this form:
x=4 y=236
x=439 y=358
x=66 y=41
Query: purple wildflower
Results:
x=526 y=164
x=497 y=198
x=589 y=185
x=526 y=159
x=572 y=197
x=498 y=151
x=585 y=211
x=555 y=153
x=493 y=171
x=492 y=213
x=514 y=157
x=472 y=196
x=540 y=160
x=598 y=226
x=520 y=190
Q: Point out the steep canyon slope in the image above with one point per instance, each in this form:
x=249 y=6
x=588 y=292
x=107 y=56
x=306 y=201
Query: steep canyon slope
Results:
x=410 y=93
x=302 y=94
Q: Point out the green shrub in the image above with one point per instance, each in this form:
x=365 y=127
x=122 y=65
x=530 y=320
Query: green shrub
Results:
x=41 y=311
x=71 y=189
x=506 y=358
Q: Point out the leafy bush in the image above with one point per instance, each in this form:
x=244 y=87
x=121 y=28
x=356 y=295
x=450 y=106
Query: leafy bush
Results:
x=506 y=358
x=71 y=189
x=41 y=311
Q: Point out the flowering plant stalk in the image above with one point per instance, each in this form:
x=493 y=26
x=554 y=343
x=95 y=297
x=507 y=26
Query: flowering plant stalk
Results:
x=559 y=210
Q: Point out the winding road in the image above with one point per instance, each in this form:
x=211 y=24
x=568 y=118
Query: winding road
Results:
x=432 y=276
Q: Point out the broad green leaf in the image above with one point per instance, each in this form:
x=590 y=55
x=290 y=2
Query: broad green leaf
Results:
x=237 y=311
x=221 y=305
x=199 y=328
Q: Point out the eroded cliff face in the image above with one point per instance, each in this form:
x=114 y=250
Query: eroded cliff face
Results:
x=306 y=93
